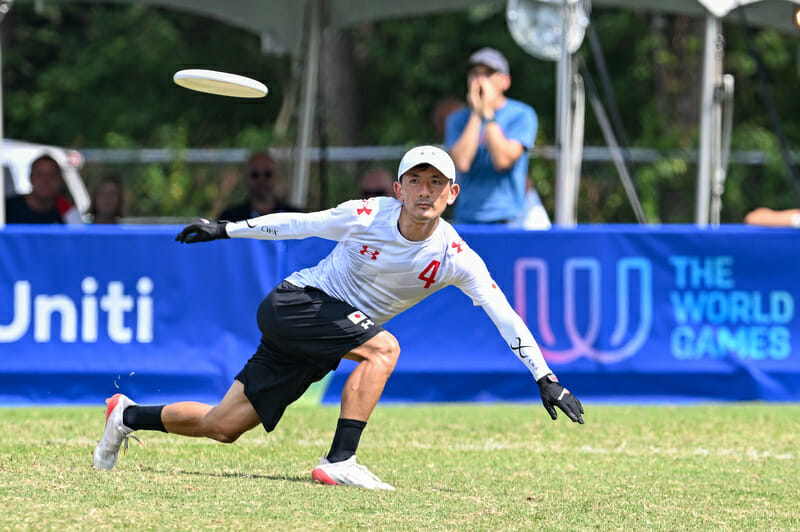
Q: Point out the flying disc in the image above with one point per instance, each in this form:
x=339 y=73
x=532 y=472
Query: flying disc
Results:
x=222 y=83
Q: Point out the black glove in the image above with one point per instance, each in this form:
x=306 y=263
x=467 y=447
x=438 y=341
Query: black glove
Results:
x=553 y=394
x=202 y=231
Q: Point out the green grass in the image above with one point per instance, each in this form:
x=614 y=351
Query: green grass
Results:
x=456 y=467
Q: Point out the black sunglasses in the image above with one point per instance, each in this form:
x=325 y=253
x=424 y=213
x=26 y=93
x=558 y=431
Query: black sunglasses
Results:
x=255 y=174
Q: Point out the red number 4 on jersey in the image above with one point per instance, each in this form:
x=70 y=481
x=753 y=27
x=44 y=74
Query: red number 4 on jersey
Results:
x=433 y=267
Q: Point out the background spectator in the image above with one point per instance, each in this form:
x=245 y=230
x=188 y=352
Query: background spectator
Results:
x=376 y=182
x=489 y=141
x=107 y=201
x=534 y=216
x=46 y=203
x=262 y=179
x=771 y=218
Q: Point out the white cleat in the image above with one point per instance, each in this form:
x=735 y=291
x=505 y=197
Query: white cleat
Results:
x=115 y=434
x=347 y=473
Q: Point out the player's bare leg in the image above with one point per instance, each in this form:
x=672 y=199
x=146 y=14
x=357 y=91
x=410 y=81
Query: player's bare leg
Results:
x=377 y=358
x=232 y=417
x=225 y=422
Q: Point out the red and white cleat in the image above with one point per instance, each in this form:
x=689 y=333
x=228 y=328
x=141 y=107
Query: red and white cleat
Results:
x=115 y=434
x=347 y=473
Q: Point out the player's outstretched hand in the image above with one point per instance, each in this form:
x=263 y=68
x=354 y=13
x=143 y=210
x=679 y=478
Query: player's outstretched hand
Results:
x=553 y=394
x=202 y=231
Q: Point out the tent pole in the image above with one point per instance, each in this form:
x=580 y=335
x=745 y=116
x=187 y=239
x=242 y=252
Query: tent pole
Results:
x=5 y=7
x=712 y=68
x=565 y=181
x=307 y=109
x=2 y=132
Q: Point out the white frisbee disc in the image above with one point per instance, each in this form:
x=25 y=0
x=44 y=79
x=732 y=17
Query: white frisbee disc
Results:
x=221 y=83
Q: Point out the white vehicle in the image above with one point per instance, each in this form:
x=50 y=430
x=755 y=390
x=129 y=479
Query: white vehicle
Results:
x=17 y=157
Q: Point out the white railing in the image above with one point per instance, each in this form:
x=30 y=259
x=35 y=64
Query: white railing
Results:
x=388 y=153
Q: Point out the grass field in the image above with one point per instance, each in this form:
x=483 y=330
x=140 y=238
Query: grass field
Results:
x=456 y=467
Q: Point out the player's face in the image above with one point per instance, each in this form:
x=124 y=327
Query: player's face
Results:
x=425 y=192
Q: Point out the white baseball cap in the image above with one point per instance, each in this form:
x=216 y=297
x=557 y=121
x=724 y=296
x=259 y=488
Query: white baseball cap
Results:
x=436 y=157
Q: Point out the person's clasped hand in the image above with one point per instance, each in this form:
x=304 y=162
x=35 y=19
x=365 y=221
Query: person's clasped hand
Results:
x=474 y=96
x=482 y=97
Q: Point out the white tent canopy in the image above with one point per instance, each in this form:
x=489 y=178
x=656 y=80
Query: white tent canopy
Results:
x=282 y=25
x=281 y=22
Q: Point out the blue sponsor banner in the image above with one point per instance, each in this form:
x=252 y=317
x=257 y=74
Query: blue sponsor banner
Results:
x=87 y=312
x=625 y=313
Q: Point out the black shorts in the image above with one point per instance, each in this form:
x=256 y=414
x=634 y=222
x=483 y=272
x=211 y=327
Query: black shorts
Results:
x=304 y=335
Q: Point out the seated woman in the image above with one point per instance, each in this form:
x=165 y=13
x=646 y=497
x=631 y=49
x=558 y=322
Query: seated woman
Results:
x=107 y=199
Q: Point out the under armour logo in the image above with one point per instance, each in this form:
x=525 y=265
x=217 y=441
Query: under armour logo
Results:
x=365 y=251
x=457 y=245
x=364 y=209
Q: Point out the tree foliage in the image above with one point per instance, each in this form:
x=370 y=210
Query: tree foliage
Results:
x=91 y=75
x=96 y=75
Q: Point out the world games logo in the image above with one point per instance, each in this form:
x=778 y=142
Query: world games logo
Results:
x=718 y=314
x=577 y=308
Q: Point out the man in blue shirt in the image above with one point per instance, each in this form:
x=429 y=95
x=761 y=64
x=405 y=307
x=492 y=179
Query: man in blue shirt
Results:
x=489 y=142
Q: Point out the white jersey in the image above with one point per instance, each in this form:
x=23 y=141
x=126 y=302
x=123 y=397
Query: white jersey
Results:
x=381 y=273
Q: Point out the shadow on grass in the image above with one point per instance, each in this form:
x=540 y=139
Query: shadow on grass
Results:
x=303 y=479
x=212 y=474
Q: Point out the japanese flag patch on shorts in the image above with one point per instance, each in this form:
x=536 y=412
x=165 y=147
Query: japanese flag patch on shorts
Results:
x=359 y=318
